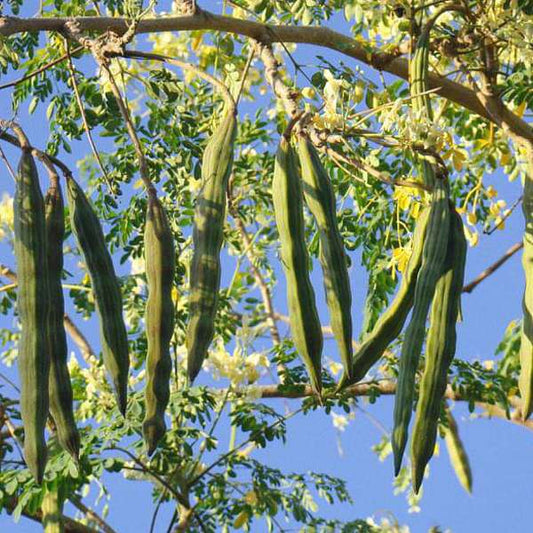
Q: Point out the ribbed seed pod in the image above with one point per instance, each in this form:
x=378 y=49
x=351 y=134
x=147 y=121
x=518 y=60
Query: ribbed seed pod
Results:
x=525 y=381
x=159 y=258
x=391 y=322
x=51 y=508
x=440 y=350
x=457 y=452
x=433 y=255
x=288 y=212
x=33 y=309
x=60 y=389
x=418 y=85
x=208 y=234
x=106 y=288
x=320 y=198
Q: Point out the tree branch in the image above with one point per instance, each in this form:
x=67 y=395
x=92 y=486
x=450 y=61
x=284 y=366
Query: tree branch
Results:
x=89 y=513
x=70 y=525
x=387 y=387
x=74 y=332
x=267 y=33
x=11 y=139
x=492 y=268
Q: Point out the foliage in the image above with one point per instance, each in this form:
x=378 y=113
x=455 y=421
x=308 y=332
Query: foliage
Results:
x=368 y=123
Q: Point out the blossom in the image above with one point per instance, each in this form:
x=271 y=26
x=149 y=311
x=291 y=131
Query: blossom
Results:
x=340 y=422
x=6 y=215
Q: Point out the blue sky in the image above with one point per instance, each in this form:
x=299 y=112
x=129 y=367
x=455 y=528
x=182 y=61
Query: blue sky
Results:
x=500 y=452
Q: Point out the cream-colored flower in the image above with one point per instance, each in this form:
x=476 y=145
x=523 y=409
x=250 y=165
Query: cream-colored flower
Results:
x=6 y=215
x=308 y=92
x=340 y=422
x=471 y=236
x=334 y=367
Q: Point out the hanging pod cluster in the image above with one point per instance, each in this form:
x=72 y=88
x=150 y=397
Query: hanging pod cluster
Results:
x=42 y=356
x=287 y=196
x=60 y=393
x=42 y=359
x=320 y=198
x=440 y=349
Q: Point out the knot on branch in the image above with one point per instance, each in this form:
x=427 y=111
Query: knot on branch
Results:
x=380 y=60
x=5 y=23
x=187 y=8
x=105 y=46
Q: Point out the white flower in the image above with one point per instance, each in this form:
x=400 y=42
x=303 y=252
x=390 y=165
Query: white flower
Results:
x=340 y=422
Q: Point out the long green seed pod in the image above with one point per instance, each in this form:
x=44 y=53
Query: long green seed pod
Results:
x=457 y=452
x=433 y=255
x=320 y=198
x=440 y=350
x=288 y=211
x=51 y=508
x=391 y=322
x=418 y=85
x=33 y=308
x=106 y=288
x=525 y=381
x=60 y=389
x=159 y=258
x=208 y=233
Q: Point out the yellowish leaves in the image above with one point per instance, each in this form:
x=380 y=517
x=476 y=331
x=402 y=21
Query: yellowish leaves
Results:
x=251 y=498
x=309 y=92
x=169 y=44
x=491 y=192
x=457 y=155
x=405 y=200
x=519 y=111
x=6 y=215
x=400 y=258
x=332 y=96
x=334 y=367
x=471 y=218
x=241 y=520
x=472 y=236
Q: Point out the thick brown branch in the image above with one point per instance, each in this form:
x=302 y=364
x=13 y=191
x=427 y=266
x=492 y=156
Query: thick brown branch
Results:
x=264 y=33
x=388 y=388
x=492 y=268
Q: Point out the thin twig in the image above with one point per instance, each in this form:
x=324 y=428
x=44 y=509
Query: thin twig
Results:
x=39 y=70
x=492 y=268
x=74 y=332
x=10 y=170
x=89 y=513
x=178 y=496
x=11 y=139
x=143 y=163
x=259 y=279
x=86 y=127
x=148 y=56
x=506 y=215
x=245 y=74
x=233 y=451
